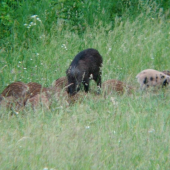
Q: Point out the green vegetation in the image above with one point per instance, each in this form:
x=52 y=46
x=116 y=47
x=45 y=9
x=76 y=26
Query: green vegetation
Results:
x=38 y=40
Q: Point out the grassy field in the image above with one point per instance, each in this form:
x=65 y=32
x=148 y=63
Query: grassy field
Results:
x=116 y=132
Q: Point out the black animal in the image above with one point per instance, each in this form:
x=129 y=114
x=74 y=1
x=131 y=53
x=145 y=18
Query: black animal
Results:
x=85 y=66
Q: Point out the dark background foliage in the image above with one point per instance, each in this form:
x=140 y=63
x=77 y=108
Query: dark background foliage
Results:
x=75 y=13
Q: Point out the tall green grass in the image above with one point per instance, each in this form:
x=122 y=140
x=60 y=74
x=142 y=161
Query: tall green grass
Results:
x=126 y=50
x=116 y=132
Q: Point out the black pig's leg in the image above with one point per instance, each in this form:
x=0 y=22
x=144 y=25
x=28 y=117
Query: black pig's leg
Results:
x=97 y=79
x=86 y=84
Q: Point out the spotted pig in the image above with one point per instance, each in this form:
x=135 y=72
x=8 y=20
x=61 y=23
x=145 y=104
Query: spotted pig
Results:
x=152 y=78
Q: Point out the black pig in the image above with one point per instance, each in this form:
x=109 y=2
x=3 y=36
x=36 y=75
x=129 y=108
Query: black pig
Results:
x=85 y=66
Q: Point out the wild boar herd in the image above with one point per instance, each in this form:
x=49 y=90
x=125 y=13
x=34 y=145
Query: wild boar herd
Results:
x=86 y=66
